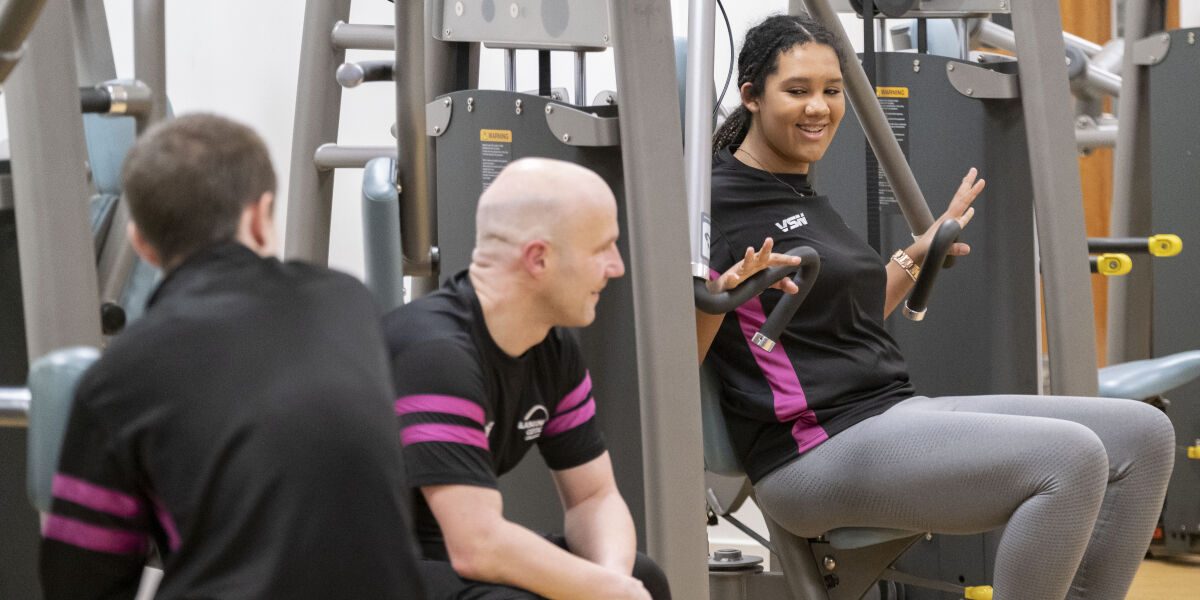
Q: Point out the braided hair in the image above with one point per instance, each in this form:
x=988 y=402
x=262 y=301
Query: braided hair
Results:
x=759 y=58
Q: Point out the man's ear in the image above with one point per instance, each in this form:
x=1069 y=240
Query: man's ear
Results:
x=141 y=246
x=258 y=225
x=749 y=99
x=535 y=257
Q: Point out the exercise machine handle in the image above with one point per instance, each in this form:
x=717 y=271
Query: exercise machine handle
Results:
x=781 y=315
x=1163 y=244
x=1110 y=264
x=723 y=302
x=354 y=74
x=943 y=238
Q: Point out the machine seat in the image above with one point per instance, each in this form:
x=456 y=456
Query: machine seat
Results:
x=52 y=382
x=1143 y=379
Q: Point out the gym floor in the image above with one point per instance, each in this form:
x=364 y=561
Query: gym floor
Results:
x=1167 y=579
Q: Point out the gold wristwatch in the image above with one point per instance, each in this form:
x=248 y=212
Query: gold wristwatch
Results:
x=906 y=262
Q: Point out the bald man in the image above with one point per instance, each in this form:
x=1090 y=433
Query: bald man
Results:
x=484 y=371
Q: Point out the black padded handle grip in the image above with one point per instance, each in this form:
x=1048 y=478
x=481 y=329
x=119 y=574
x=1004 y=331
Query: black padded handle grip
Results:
x=781 y=315
x=719 y=304
x=943 y=238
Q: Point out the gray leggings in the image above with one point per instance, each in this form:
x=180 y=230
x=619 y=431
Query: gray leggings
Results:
x=1078 y=481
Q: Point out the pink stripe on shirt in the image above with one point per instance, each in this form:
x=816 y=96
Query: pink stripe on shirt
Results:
x=437 y=403
x=95 y=497
x=92 y=537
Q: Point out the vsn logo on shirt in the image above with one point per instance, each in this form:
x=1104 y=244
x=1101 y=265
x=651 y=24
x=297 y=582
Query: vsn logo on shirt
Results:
x=792 y=222
x=533 y=422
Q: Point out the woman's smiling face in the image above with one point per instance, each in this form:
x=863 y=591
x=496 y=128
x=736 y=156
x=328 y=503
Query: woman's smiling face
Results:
x=801 y=105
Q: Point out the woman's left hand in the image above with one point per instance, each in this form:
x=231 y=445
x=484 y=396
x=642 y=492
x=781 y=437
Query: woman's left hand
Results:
x=960 y=209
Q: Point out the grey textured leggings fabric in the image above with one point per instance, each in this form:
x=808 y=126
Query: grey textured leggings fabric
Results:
x=1078 y=481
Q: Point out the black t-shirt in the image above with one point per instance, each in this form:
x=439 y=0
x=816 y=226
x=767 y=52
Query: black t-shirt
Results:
x=468 y=412
x=242 y=425
x=835 y=363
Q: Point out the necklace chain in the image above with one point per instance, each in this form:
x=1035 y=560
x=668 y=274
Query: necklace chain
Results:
x=763 y=167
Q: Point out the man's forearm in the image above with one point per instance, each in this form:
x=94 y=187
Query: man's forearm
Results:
x=528 y=561
x=601 y=530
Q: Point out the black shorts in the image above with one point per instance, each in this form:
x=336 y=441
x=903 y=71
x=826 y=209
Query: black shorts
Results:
x=442 y=583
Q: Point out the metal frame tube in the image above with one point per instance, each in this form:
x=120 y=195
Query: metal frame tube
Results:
x=875 y=125
x=14 y=406
x=415 y=149
x=346 y=36
x=581 y=78
x=697 y=145
x=1058 y=198
x=54 y=237
x=16 y=23
x=1129 y=306
x=93 y=46
x=310 y=190
x=1104 y=82
x=150 y=55
x=510 y=69
x=332 y=156
x=652 y=160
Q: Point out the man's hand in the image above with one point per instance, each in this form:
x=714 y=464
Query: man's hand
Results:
x=960 y=209
x=752 y=263
x=631 y=589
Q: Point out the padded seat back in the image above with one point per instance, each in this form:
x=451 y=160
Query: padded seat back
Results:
x=52 y=382
x=1143 y=379
x=719 y=456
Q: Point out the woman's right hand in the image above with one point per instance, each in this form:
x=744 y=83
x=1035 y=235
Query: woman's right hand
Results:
x=752 y=263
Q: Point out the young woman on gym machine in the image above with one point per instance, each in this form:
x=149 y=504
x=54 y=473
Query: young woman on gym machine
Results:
x=828 y=426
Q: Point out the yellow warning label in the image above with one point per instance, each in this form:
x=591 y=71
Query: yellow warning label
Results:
x=495 y=135
x=891 y=92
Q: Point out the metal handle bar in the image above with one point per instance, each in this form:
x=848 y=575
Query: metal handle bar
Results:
x=781 y=315
x=354 y=74
x=943 y=238
x=1164 y=244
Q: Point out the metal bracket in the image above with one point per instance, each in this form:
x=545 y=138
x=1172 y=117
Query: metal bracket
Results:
x=575 y=127
x=982 y=84
x=1151 y=50
x=437 y=116
x=604 y=98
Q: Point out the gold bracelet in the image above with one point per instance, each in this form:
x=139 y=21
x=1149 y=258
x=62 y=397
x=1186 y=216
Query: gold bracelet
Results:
x=906 y=262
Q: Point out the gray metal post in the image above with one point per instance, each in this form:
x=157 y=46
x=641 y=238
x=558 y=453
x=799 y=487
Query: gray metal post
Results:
x=441 y=77
x=1129 y=304
x=698 y=130
x=415 y=148
x=652 y=159
x=54 y=237
x=510 y=69
x=581 y=78
x=875 y=125
x=93 y=47
x=310 y=192
x=1058 y=198
x=149 y=53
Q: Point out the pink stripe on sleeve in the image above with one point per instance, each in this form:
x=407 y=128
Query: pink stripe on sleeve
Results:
x=95 y=497
x=576 y=396
x=437 y=403
x=572 y=419
x=440 y=432
x=92 y=537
